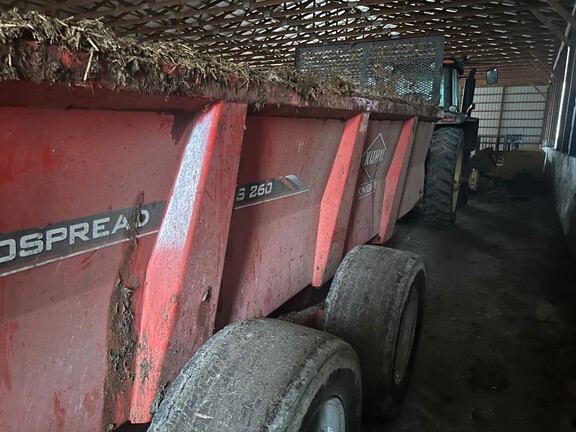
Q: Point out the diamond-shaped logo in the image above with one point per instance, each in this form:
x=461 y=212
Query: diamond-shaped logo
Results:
x=374 y=156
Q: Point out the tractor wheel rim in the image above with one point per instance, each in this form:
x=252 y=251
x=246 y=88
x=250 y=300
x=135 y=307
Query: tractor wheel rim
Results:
x=406 y=335
x=330 y=417
x=456 y=183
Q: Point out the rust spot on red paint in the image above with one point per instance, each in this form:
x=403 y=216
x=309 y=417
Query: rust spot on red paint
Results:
x=59 y=412
x=7 y=332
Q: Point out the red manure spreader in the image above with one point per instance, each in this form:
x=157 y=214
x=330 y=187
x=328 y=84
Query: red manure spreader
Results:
x=162 y=252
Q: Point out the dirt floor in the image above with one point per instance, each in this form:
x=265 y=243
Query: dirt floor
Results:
x=498 y=351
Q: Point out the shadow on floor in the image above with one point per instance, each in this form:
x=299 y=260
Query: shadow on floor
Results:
x=498 y=352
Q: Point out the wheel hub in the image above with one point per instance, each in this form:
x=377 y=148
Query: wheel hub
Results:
x=330 y=417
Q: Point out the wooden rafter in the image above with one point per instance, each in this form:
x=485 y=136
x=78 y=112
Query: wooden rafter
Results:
x=562 y=12
x=551 y=27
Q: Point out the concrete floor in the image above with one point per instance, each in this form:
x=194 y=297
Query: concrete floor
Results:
x=498 y=350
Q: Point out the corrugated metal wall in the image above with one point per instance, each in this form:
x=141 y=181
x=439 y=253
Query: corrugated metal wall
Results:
x=508 y=111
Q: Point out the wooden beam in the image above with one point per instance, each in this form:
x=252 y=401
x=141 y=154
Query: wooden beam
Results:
x=542 y=63
x=562 y=12
x=360 y=23
x=464 y=29
x=551 y=27
x=538 y=90
x=333 y=14
x=296 y=12
x=234 y=6
x=305 y=38
x=540 y=71
x=501 y=49
x=398 y=8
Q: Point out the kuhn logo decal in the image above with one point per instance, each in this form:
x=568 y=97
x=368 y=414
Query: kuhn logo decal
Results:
x=259 y=192
x=33 y=247
x=373 y=157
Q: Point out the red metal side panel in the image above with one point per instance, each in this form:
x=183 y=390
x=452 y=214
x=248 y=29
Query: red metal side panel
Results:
x=68 y=181
x=414 y=183
x=379 y=148
x=337 y=200
x=184 y=274
x=395 y=182
x=284 y=169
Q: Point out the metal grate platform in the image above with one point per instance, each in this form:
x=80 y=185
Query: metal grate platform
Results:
x=410 y=68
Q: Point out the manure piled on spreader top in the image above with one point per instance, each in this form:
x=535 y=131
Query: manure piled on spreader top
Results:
x=162 y=67
x=38 y=48
x=27 y=52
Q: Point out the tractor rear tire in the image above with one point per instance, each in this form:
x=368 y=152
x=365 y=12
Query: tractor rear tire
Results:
x=265 y=375
x=375 y=303
x=442 y=180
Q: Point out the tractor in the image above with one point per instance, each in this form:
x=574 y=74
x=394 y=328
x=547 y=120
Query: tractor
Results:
x=455 y=135
x=414 y=68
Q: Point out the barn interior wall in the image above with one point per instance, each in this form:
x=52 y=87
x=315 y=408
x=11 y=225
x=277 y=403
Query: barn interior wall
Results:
x=559 y=139
x=506 y=112
x=561 y=173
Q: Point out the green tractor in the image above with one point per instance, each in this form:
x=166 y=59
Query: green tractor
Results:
x=448 y=162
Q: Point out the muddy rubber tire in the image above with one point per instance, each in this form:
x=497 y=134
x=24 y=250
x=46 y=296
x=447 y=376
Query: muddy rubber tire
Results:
x=439 y=203
x=366 y=306
x=464 y=180
x=264 y=375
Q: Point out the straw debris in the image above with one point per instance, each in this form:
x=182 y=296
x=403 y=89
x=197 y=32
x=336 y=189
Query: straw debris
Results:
x=34 y=47
x=37 y=48
x=308 y=86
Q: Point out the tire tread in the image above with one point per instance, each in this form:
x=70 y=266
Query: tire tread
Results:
x=440 y=164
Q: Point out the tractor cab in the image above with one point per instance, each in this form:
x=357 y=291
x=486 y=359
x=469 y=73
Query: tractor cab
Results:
x=452 y=71
x=458 y=111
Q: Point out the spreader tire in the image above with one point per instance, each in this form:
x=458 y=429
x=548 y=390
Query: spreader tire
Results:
x=265 y=375
x=375 y=304
x=442 y=180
